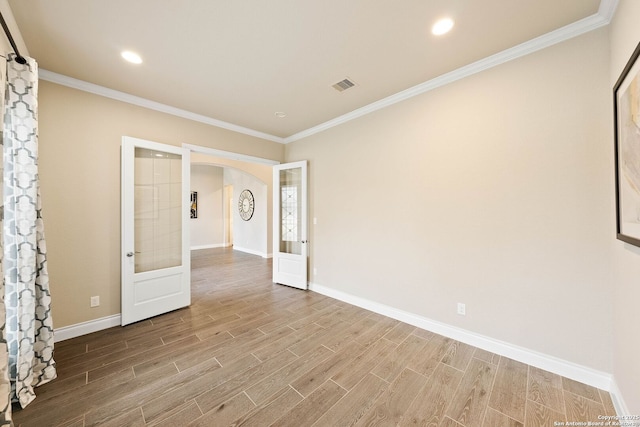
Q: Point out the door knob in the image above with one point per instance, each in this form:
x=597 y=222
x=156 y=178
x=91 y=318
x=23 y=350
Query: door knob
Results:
x=129 y=254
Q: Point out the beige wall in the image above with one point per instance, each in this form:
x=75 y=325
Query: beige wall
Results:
x=494 y=191
x=208 y=228
x=80 y=136
x=625 y=35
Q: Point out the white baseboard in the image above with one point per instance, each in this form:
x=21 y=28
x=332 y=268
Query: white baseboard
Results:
x=251 y=251
x=583 y=374
x=237 y=248
x=84 y=328
x=215 y=245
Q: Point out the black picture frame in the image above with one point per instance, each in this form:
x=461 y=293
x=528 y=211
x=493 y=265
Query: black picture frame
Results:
x=626 y=110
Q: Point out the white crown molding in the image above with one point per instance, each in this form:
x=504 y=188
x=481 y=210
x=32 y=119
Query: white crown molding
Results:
x=604 y=15
x=607 y=9
x=590 y=23
x=63 y=80
x=583 y=374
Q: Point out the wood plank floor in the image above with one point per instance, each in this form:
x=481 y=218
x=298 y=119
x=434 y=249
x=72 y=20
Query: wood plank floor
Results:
x=248 y=352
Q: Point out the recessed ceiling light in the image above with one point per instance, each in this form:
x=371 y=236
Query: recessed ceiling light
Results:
x=442 y=26
x=280 y=114
x=132 y=57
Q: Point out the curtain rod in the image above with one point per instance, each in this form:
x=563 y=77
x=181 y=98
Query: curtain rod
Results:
x=19 y=58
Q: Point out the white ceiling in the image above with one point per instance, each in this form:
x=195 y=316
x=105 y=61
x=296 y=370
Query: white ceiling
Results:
x=241 y=61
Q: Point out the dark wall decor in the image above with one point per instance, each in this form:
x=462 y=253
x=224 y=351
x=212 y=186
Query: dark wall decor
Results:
x=626 y=101
x=194 y=204
x=246 y=205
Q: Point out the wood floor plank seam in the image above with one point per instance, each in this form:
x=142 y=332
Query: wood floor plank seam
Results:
x=346 y=391
x=490 y=393
x=426 y=377
x=249 y=397
x=451 y=423
x=501 y=413
x=458 y=369
x=294 y=389
x=469 y=404
x=592 y=389
x=388 y=382
x=254 y=355
x=526 y=395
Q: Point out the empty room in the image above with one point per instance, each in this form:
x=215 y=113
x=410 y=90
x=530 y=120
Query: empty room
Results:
x=316 y=213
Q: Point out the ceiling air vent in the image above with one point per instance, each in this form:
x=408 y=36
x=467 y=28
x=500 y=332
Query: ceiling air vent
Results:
x=343 y=85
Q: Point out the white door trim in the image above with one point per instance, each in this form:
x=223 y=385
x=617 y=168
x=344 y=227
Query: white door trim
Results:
x=229 y=155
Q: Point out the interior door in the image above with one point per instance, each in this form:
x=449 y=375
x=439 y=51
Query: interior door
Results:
x=290 y=245
x=156 y=276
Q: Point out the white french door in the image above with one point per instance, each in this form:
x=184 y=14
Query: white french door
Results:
x=156 y=263
x=290 y=245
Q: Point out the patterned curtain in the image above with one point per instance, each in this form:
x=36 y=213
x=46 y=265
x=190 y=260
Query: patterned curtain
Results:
x=28 y=331
x=5 y=385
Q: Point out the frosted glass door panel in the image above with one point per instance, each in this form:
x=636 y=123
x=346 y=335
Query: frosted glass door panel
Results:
x=290 y=210
x=157 y=210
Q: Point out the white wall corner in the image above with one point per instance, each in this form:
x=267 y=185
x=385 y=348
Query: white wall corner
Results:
x=607 y=9
x=618 y=401
x=583 y=374
x=7 y=13
x=251 y=251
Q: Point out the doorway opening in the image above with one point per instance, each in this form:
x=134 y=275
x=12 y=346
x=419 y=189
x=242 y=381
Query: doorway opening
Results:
x=237 y=172
x=232 y=207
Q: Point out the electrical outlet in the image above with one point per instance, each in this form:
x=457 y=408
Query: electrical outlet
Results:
x=462 y=309
x=95 y=301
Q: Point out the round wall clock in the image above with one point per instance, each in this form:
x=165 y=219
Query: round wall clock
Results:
x=245 y=205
